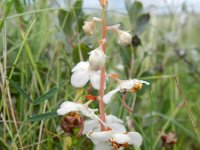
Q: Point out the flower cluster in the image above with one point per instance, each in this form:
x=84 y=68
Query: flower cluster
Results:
x=105 y=131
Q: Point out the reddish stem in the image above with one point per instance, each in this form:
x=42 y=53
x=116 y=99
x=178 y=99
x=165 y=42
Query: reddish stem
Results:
x=124 y=102
x=102 y=81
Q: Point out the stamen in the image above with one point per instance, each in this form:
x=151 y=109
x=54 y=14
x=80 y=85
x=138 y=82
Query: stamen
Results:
x=136 y=87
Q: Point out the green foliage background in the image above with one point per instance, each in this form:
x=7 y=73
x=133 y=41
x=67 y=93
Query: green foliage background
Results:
x=41 y=42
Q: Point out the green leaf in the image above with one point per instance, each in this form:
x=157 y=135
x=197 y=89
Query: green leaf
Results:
x=48 y=94
x=142 y=23
x=44 y=116
x=19 y=6
x=78 y=7
x=20 y=90
x=66 y=20
x=78 y=50
x=135 y=10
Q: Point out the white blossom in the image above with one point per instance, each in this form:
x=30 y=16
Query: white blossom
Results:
x=109 y=139
x=125 y=85
x=82 y=73
x=89 y=27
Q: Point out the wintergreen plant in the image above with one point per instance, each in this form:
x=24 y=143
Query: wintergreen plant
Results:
x=105 y=130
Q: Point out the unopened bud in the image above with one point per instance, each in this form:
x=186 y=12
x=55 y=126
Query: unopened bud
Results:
x=89 y=27
x=97 y=58
x=124 y=37
x=104 y=3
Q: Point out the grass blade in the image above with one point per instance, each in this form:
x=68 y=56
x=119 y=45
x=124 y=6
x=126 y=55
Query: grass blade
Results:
x=20 y=90
x=44 y=116
x=48 y=94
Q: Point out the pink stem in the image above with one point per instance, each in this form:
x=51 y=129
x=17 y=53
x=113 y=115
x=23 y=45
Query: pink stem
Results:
x=102 y=80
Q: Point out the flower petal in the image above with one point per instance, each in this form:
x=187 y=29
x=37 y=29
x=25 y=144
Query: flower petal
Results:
x=142 y=81
x=95 y=79
x=108 y=96
x=136 y=139
x=112 y=119
x=88 y=112
x=117 y=127
x=79 y=78
x=81 y=66
x=91 y=125
x=103 y=146
x=67 y=107
x=96 y=19
x=102 y=136
x=126 y=84
x=121 y=138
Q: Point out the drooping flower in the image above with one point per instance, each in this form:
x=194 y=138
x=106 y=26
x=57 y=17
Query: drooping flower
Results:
x=115 y=135
x=70 y=107
x=97 y=57
x=89 y=27
x=82 y=73
x=74 y=116
x=132 y=85
x=124 y=37
x=111 y=140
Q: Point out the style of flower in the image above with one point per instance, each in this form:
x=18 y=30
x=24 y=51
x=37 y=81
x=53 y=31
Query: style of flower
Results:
x=132 y=85
x=97 y=58
x=89 y=27
x=124 y=37
x=82 y=73
x=109 y=140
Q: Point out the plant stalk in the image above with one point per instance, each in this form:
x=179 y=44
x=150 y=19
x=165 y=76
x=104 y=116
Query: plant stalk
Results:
x=102 y=80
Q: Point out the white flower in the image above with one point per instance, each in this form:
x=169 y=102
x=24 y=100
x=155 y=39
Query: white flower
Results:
x=90 y=26
x=112 y=123
x=97 y=58
x=117 y=140
x=101 y=139
x=82 y=73
x=67 y=107
x=124 y=37
x=132 y=85
x=130 y=138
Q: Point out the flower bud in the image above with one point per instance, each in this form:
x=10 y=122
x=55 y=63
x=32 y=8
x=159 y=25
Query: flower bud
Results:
x=104 y=3
x=90 y=26
x=97 y=59
x=124 y=38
